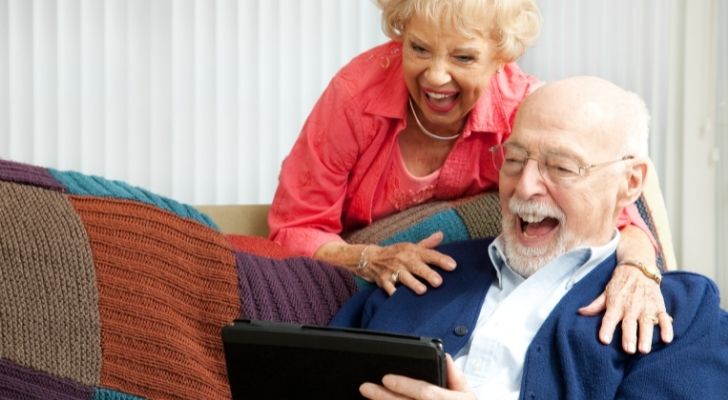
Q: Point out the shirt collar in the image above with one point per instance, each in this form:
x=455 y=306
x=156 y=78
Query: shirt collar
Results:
x=583 y=259
x=390 y=98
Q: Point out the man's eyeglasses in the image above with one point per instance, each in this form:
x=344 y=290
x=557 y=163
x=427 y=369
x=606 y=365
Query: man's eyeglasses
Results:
x=554 y=168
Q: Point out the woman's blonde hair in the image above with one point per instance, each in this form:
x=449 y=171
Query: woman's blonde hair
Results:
x=512 y=25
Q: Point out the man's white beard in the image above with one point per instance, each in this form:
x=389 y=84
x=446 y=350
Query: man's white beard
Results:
x=526 y=260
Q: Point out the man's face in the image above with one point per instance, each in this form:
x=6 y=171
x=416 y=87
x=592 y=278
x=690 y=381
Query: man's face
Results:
x=544 y=218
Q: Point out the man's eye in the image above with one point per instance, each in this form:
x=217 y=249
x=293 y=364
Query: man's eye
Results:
x=564 y=169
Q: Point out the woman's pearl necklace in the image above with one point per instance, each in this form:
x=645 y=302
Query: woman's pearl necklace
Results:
x=425 y=131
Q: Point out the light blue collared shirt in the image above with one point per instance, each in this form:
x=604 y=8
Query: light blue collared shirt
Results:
x=513 y=311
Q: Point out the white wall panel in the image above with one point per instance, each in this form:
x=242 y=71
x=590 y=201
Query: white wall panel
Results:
x=4 y=80
x=199 y=100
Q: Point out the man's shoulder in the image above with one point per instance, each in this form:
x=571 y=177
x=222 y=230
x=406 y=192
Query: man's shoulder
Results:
x=693 y=300
x=467 y=248
x=690 y=285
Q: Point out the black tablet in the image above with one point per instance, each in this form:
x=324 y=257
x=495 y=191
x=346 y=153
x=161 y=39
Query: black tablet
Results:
x=272 y=360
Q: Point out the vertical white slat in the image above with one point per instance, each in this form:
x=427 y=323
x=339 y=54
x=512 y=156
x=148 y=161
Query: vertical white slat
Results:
x=205 y=102
x=656 y=67
x=69 y=84
x=183 y=120
x=266 y=93
x=4 y=80
x=312 y=63
x=289 y=73
x=328 y=37
x=249 y=126
x=369 y=23
x=226 y=175
x=45 y=83
x=138 y=92
x=116 y=82
x=698 y=250
x=161 y=101
x=349 y=28
x=93 y=87
x=722 y=135
x=20 y=55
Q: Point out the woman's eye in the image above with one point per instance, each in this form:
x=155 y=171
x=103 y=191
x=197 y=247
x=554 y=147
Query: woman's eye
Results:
x=417 y=48
x=465 y=59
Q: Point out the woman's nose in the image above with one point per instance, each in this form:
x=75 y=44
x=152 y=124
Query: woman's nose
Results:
x=437 y=73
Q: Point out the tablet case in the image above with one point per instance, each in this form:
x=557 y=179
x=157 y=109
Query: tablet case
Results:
x=273 y=360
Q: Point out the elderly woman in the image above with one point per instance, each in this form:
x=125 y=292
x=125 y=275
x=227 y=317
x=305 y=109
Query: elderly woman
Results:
x=412 y=121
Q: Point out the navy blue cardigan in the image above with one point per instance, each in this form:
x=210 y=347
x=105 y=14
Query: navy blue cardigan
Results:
x=565 y=359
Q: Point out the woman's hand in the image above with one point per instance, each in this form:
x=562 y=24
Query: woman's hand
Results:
x=632 y=298
x=405 y=263
x=636 y=301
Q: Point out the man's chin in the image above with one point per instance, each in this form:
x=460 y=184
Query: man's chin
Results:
x=526 y=260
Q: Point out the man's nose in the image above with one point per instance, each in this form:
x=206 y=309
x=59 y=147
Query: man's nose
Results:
x=530 y=182
x=437 y=73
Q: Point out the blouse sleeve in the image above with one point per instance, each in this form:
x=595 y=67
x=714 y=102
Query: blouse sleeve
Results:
x=307 y=207
x=631 y=216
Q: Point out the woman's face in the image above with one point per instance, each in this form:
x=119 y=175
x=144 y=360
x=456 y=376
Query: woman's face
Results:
x=446 y=72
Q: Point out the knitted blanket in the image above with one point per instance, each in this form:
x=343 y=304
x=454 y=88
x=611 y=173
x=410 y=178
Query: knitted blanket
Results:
x=108 y=291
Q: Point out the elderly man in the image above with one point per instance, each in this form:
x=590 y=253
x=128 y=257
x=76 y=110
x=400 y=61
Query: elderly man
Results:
x=509 y=313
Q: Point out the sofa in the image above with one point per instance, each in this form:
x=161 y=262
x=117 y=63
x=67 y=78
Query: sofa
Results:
x=110 y=291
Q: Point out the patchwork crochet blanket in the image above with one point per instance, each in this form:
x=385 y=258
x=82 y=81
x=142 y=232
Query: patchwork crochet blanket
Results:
x=110 y=292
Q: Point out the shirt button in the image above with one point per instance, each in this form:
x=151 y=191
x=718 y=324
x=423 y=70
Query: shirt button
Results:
x=531 y=395
x=461 y=330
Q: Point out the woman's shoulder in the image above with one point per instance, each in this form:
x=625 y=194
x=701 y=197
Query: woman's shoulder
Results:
x=510 y=87
x=372 y=68
x=513 y=83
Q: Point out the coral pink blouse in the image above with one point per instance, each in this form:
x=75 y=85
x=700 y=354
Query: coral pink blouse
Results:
x=345 y=170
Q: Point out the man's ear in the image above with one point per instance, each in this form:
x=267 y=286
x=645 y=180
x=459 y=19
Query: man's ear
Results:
x=634 y=181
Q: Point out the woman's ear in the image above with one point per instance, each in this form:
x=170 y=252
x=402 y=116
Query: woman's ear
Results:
x=634 y=181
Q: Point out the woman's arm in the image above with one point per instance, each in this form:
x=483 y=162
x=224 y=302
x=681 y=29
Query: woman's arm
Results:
x=388 y=265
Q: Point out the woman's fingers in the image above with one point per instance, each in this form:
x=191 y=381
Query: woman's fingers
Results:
x=634 y=301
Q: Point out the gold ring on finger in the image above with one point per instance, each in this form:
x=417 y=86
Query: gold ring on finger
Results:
x=653 y=319
x=395 y=276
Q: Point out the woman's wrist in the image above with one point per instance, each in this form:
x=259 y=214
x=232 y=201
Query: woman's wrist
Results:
x=651 y=273
x=354 y=257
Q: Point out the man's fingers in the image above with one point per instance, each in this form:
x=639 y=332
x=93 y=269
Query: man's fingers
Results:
x=377 y=392
x=595 y=307
x=455 y=379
